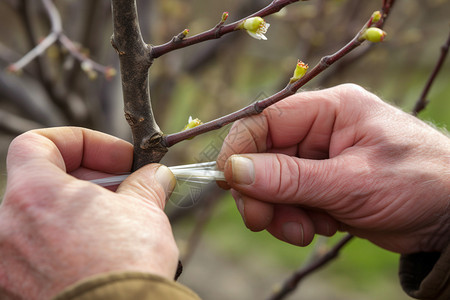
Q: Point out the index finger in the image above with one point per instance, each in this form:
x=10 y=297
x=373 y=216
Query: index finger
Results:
x=300 y=125
x=70 y=148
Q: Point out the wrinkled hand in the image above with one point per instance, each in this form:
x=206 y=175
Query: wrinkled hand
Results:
x=341 y=159
x=56 y=229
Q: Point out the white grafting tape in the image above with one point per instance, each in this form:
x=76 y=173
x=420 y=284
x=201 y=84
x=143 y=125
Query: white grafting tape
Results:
x=197 y=173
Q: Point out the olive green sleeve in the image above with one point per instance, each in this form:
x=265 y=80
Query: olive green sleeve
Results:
x=426 y=275
x=125 y=286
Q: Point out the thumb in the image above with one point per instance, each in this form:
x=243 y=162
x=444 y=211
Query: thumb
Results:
x=283 y=179
x=152 y=183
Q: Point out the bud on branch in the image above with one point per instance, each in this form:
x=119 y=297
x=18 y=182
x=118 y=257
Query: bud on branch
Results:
x=373 y=35
x=299 y=71
x=256 y=27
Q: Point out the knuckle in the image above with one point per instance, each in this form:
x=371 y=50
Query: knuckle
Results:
x=284 y=177
x=350 y=86
x=19 y=197
x=31 y=195
x=19 y=144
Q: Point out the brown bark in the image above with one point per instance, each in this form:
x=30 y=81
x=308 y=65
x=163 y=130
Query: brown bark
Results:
x=134 y=55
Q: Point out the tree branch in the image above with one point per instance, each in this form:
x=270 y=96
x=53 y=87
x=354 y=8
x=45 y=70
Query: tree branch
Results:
x=345 y=63
x=89 y=63
x=42 y=73
x=290 y=89
x=208 y=51
x=134 y=64
x=35 y=52
x=292 y=282
x=217 y=31
x=423 y=102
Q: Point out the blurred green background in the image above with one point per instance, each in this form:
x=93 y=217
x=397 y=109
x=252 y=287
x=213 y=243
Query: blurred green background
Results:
x=223 y=260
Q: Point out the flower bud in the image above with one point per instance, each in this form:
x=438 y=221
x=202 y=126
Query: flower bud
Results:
x=376 y=16
x=224 y=16
x=299 y=71
x=181 y=36
x=373 y=34
x=192 y=123
x=253 y=24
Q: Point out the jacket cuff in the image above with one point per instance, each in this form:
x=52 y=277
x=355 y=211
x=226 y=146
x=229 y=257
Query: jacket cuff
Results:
x=426 y=275
x=125 y=286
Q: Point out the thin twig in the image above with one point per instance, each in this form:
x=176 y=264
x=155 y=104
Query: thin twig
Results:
x=259 y=106
x=292 y=282
x=75 y=52
x=349 y=60
x=42 y=73
x=208 y=51
x=423 y=102
x=35 y=52
x=52 y=37
x=55 y=17
x=217 y=31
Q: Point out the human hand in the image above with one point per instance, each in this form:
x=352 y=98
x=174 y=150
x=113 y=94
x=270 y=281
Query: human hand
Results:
x=341 y=159
x=56 y=229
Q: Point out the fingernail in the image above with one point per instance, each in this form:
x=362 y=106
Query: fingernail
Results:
x=293 y=233
x=166 y=179
x=240 y=206
x=242 y=169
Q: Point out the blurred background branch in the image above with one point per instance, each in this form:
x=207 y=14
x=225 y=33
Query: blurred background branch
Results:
x=56 y=35
x=318 y=260
x=423 y=102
